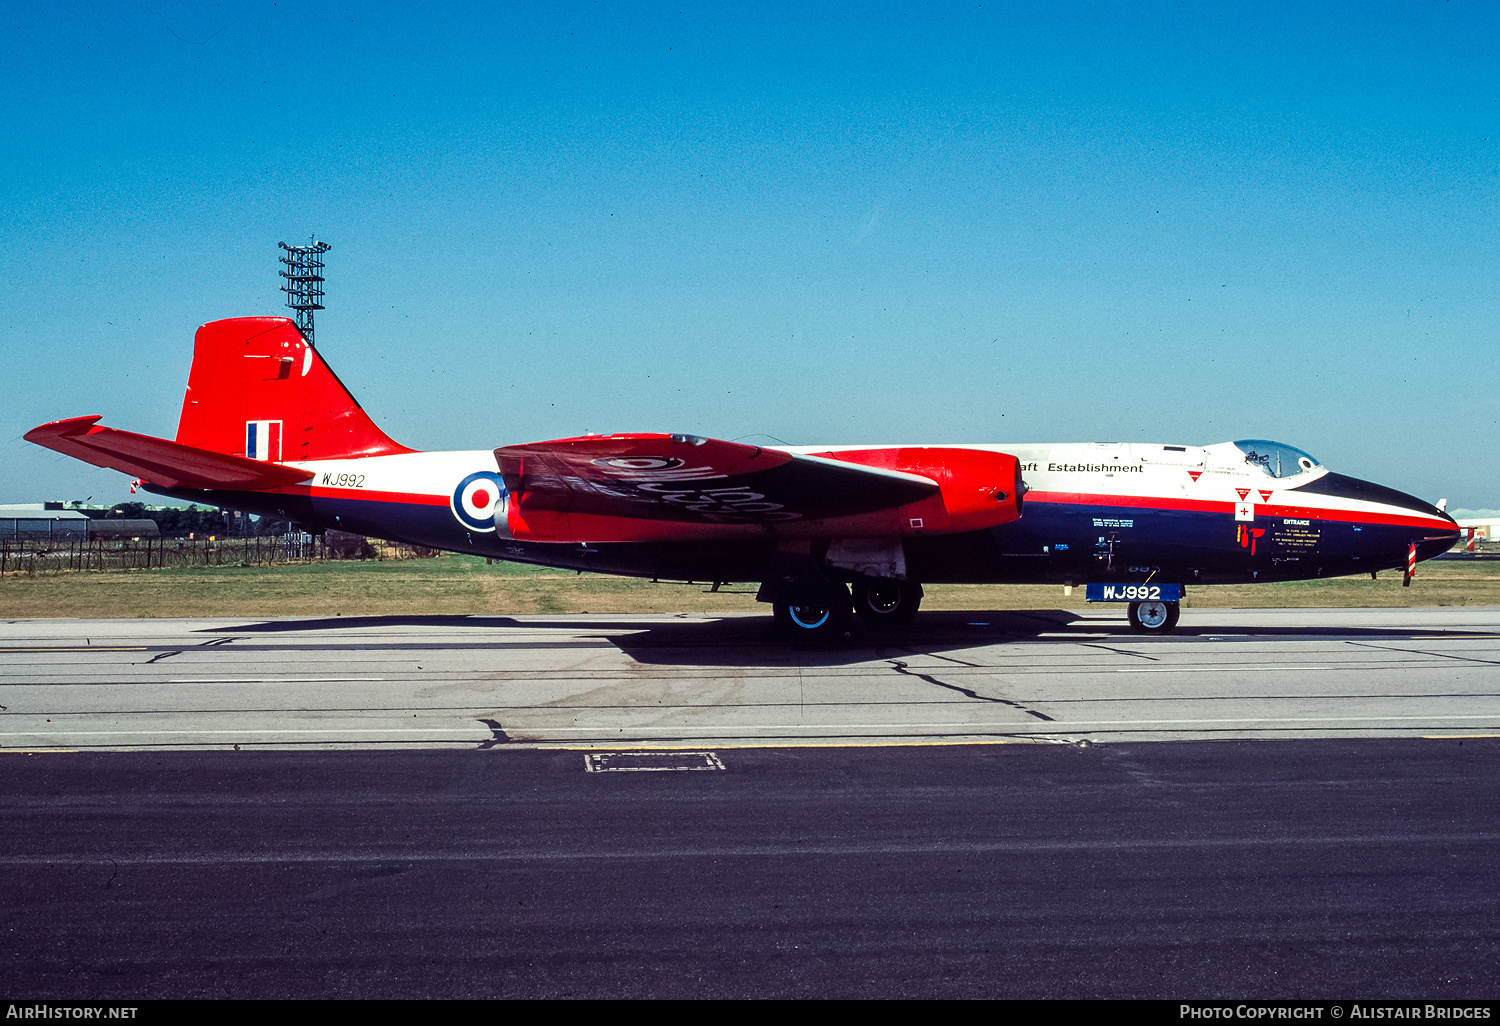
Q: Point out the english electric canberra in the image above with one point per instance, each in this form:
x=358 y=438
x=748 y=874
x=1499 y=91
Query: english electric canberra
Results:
x=826 y=530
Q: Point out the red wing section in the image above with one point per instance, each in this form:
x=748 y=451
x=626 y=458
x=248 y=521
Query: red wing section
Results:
x=159 y=461
x=644 y=487
x=686 y=479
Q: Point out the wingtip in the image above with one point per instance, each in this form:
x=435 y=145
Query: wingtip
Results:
x=66 y=426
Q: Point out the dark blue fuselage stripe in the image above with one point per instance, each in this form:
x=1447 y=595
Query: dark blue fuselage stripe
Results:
x=1052 y=542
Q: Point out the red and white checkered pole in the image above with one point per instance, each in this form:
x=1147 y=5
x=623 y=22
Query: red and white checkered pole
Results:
x=1411 y=565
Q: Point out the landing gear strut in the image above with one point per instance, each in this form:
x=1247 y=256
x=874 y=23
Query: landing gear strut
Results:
x=1153 y=617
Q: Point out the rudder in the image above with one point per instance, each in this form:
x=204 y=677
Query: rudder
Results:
x=258 y=389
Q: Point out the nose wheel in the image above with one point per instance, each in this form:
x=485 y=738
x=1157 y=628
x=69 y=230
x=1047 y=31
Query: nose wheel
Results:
x=1153 y=617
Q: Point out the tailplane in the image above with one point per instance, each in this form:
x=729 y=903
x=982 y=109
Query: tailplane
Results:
x=258 y=390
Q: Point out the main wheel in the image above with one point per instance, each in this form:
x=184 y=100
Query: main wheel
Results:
x=1153 y=617
x=882 y=602
x=812 y=621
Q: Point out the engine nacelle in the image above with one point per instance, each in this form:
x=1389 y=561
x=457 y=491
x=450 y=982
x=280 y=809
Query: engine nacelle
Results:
x=979 y=488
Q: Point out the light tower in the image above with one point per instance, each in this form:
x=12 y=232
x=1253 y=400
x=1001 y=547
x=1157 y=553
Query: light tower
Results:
x=302 y=267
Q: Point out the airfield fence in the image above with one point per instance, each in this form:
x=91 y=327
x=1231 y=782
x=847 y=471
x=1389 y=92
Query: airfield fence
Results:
x=97 y=554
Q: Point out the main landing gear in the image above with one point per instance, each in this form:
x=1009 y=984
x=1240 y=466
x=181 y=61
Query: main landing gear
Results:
x=1153 y=617
x=882 y=602
x=878 y=602
x=825 y=620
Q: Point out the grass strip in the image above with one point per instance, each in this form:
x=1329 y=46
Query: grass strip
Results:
x=466 y=585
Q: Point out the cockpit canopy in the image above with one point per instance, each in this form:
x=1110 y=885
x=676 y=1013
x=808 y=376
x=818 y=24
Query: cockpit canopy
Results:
x=1276 y=459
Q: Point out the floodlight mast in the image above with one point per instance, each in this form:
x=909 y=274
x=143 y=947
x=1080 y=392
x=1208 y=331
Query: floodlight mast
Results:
x=302 y=267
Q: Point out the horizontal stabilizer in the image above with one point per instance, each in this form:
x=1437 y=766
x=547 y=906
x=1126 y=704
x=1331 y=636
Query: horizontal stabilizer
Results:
x=159 y=461
x=691 y=480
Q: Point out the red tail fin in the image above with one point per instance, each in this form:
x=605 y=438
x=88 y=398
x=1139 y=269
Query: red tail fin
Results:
x=257 y=389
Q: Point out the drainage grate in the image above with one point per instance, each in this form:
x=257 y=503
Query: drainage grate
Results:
x=648 y=762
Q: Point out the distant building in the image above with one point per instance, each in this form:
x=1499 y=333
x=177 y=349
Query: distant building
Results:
x=1485 y=528
x=42 y=521
x=51 y=522
x=1477 y=525
x=124 y=530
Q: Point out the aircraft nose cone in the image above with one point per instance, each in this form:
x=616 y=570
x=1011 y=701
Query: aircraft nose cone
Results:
x=1343 y=487
x=1421 y=523
x=1440 y=539
x=1433 y=540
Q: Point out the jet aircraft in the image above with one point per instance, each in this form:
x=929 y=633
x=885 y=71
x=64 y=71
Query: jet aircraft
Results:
x=827 y=531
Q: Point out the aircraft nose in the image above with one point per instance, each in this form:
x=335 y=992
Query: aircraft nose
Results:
x=1396 y=519
x=1436 y=536
x=1440 y=539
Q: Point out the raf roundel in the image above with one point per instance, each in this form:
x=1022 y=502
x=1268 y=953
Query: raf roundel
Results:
x=638 y=463
x=478 y=499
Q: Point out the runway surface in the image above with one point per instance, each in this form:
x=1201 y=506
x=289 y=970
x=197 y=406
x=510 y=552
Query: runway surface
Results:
x=485 y=682
x=592 y=806
x=1293 y=869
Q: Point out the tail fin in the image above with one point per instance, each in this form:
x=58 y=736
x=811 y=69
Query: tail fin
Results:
x=257 y=389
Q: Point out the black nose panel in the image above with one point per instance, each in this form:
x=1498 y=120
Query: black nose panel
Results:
x=1342 y=487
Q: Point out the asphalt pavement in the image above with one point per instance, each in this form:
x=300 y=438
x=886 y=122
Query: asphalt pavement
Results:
x=1323 y=868
x=1268 y=804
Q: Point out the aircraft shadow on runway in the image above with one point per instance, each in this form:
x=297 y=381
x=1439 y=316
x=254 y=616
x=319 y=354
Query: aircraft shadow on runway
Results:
x=735 y=629
x=755 y=641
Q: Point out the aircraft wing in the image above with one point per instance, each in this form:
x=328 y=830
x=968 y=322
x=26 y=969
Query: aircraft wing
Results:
x=158 y=460
x=692 y=480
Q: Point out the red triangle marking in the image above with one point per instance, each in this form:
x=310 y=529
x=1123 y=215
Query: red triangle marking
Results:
x=1243 y=492
x=1195 y=474
x=1265 y=496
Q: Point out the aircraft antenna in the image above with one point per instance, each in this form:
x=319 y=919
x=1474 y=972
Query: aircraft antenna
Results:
x=302 y=267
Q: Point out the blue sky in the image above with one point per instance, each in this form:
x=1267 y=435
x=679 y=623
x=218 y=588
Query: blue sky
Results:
x=823 y=223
